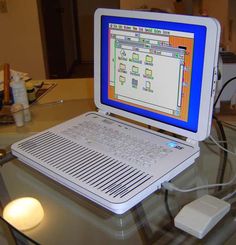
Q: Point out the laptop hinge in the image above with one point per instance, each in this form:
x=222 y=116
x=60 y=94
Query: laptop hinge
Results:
x=192 y=142
x=103 y=112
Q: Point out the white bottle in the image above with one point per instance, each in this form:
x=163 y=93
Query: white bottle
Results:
x=20 y=95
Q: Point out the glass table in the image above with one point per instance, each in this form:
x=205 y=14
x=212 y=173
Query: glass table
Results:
x=72 y=219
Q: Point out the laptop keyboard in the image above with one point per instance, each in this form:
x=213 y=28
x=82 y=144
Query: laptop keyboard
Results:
x=111 y=162
x=117 y=143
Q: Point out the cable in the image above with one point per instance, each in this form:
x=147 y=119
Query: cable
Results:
x=171 y=187
x=221 y=147
x=212 y=143
x=228 y=196
x=223 y=160
x=18 y=236
x=230 y=125
x=167 y=207
x=8 y=156
x=229 y=81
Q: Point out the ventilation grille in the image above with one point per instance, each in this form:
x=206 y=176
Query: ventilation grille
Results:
x=87 y=168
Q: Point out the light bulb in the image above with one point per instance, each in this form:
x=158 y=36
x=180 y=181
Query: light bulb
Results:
x=24 y=213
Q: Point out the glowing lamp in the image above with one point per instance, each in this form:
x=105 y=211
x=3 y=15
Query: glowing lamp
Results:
x=24 y=213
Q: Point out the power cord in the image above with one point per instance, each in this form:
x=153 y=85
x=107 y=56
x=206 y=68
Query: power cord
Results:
x=221 y=147
x=224 y=154
x=230 y=125
x=5 y=157
x=224 y=86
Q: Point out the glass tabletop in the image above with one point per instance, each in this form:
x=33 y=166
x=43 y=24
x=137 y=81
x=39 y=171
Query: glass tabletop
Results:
x=72 y=219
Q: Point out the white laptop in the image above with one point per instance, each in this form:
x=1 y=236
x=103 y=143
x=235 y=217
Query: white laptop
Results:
x=151 y=68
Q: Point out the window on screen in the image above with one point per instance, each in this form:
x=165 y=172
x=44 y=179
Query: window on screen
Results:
x=150 y=68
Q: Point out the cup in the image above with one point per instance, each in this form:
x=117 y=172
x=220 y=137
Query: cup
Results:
x=18 y=114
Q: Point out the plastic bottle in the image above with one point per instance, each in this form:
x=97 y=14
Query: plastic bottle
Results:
x=20 y=95
x=19 y=91
x=17 y=111
x=31 y=93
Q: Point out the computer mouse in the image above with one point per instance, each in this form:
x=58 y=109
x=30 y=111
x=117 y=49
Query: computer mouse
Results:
x=200 y=216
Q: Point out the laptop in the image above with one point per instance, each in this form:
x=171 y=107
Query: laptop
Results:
x=154 y=85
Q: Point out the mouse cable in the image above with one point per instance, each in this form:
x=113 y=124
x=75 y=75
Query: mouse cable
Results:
x=171 y=187
x=228 y=196
x=167 y=206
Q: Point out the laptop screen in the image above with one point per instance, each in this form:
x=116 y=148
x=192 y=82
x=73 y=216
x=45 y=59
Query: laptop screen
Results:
x=153 y=68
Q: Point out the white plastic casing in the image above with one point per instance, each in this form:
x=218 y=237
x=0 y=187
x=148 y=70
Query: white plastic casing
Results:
x=200 y=216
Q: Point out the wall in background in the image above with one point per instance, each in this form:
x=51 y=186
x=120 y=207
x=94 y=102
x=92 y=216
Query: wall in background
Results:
x=232 y=25
x=21 y=44
x=20 y=41
x=85 y=15
x=172 y=6
x=224 y=11
x=166 y=5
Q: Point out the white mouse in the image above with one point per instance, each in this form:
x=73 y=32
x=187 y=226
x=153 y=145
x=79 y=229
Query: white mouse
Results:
x=200 y=216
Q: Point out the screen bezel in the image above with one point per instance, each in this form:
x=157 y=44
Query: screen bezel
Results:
x=206 y=35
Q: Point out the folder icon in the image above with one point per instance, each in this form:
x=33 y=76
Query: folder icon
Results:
x=148 y=85
x=122 y=79
x=149 y=58
x=122 y=67
x=134 y=69
x=148 y=72
x=135 y=56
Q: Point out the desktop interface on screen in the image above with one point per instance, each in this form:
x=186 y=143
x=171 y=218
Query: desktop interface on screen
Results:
x=150 y=70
